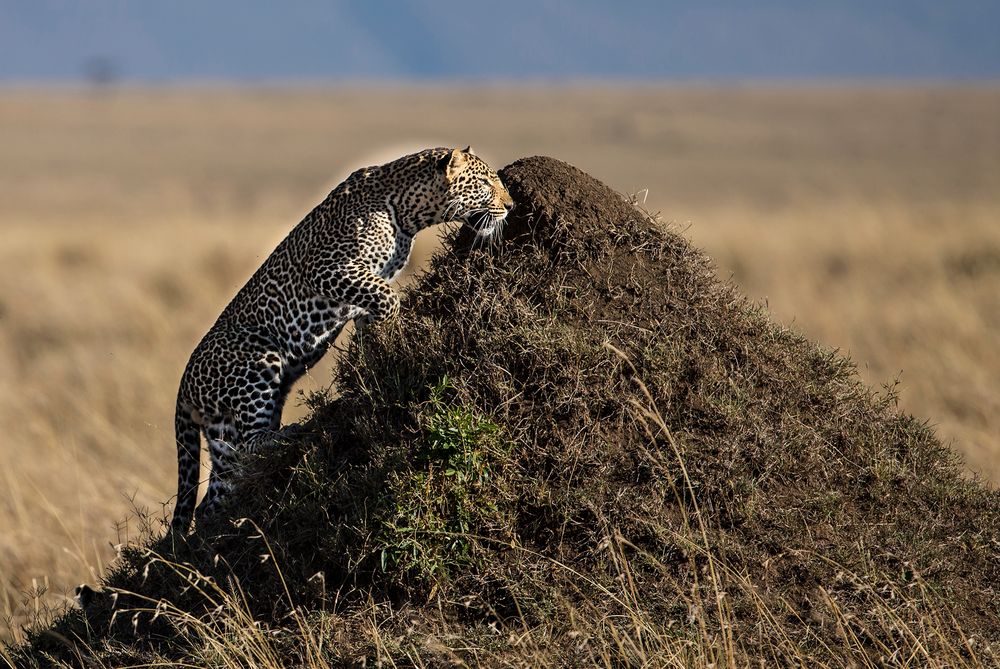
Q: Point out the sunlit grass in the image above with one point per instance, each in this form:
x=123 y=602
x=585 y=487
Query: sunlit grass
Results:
x=865 y=218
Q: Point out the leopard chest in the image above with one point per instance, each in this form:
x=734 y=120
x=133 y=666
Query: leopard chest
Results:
x=382 y=245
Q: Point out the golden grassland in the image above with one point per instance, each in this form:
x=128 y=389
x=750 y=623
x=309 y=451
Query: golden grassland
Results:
x=869 y=217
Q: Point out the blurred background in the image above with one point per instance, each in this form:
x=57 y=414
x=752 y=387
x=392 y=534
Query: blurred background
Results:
x=840 y=161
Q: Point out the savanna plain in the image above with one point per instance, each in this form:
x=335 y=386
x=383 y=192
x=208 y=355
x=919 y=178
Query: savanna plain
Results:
x=867 y=217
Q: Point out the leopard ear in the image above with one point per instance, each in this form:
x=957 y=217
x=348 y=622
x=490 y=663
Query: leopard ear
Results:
x=469 y=150
x=451 y=163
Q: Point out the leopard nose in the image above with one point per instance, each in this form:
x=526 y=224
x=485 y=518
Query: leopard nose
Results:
x=508 y=205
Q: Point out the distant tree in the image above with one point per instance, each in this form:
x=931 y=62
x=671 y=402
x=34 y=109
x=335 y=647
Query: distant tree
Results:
x=100 y=72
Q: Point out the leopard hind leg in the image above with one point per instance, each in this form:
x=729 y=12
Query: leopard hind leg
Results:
x=260 y=419
x=253 y=426
x=223 y=441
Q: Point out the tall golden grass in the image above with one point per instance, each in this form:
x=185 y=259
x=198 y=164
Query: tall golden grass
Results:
x=865 y=215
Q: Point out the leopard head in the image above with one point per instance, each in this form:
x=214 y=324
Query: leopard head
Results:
x=475 y=194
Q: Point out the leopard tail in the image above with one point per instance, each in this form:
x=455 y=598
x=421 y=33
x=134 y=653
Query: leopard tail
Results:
x=188 y=434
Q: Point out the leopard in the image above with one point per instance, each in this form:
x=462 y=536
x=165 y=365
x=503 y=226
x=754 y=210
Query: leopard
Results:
x=337 y=265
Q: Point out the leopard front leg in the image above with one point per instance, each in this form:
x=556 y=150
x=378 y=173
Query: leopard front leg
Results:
x=357 y=289
x=378 y=300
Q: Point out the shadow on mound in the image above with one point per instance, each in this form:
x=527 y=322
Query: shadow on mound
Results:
x=579 y=447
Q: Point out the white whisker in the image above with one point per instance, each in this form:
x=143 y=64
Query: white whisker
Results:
x=451 y=208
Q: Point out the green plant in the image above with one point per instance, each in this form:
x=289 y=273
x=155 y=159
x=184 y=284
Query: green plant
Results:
x=446 y=491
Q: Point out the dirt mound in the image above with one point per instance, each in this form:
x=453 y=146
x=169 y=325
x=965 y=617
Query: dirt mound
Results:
x=579 y=447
